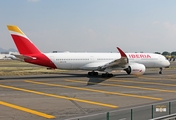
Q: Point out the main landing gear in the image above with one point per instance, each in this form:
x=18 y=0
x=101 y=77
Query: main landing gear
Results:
x=93 y=73
x=107 y=75
x=161 y=69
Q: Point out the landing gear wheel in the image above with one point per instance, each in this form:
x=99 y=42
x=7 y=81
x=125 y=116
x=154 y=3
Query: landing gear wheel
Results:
x=161 y=69
x=89 y=73
x=93 y=73
x=107 y=75
x=110 y=75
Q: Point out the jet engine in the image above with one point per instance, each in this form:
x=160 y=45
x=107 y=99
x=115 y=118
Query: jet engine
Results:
x=135 y=69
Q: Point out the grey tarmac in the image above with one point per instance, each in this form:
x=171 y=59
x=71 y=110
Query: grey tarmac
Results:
x=73 y=94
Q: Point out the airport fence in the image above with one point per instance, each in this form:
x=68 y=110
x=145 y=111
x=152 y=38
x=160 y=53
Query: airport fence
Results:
x=144 y=112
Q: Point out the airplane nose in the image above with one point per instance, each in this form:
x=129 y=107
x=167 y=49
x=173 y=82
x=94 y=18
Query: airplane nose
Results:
x=167 y=63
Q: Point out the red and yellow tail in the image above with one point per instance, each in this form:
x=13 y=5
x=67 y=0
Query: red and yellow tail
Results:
x=22 y=42
x=29 y=52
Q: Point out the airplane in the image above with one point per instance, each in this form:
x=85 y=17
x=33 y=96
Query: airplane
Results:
x=10 y=56
x=132 y=63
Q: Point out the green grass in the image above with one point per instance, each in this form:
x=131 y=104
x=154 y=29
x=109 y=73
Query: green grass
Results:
x=13 y=67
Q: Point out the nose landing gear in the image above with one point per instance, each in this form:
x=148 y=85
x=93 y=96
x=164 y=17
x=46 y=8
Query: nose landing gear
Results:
x=161 y=69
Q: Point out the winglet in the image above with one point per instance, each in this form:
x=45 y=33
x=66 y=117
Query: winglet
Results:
x=121 y=53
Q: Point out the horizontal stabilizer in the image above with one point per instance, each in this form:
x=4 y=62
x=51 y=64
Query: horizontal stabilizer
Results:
x=23 y=57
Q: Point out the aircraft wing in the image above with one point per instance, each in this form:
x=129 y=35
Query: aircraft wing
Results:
x=22 y=57
x=118 y=63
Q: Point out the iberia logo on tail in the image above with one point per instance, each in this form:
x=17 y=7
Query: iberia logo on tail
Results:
x=23 y=43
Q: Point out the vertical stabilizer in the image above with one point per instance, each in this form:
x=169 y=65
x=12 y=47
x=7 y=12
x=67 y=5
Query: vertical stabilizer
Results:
x=22 y=42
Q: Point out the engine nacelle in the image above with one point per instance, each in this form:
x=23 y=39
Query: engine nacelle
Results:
x=135 y=69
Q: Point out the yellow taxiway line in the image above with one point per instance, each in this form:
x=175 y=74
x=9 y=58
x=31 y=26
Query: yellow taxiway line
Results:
x=27 y=110
x=94 y=90
x=125 y=86
x=58 y=96
x=153 y=83
x=156 y=78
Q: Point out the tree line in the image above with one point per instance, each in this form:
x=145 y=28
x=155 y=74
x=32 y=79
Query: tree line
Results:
x=171 y=56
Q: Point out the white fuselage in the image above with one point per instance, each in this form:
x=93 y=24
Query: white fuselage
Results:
x=91 y=61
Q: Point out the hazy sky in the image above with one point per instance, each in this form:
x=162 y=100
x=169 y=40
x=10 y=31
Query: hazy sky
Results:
x=92 y=25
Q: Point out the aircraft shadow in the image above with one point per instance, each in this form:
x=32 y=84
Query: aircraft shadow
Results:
x=95 y=80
